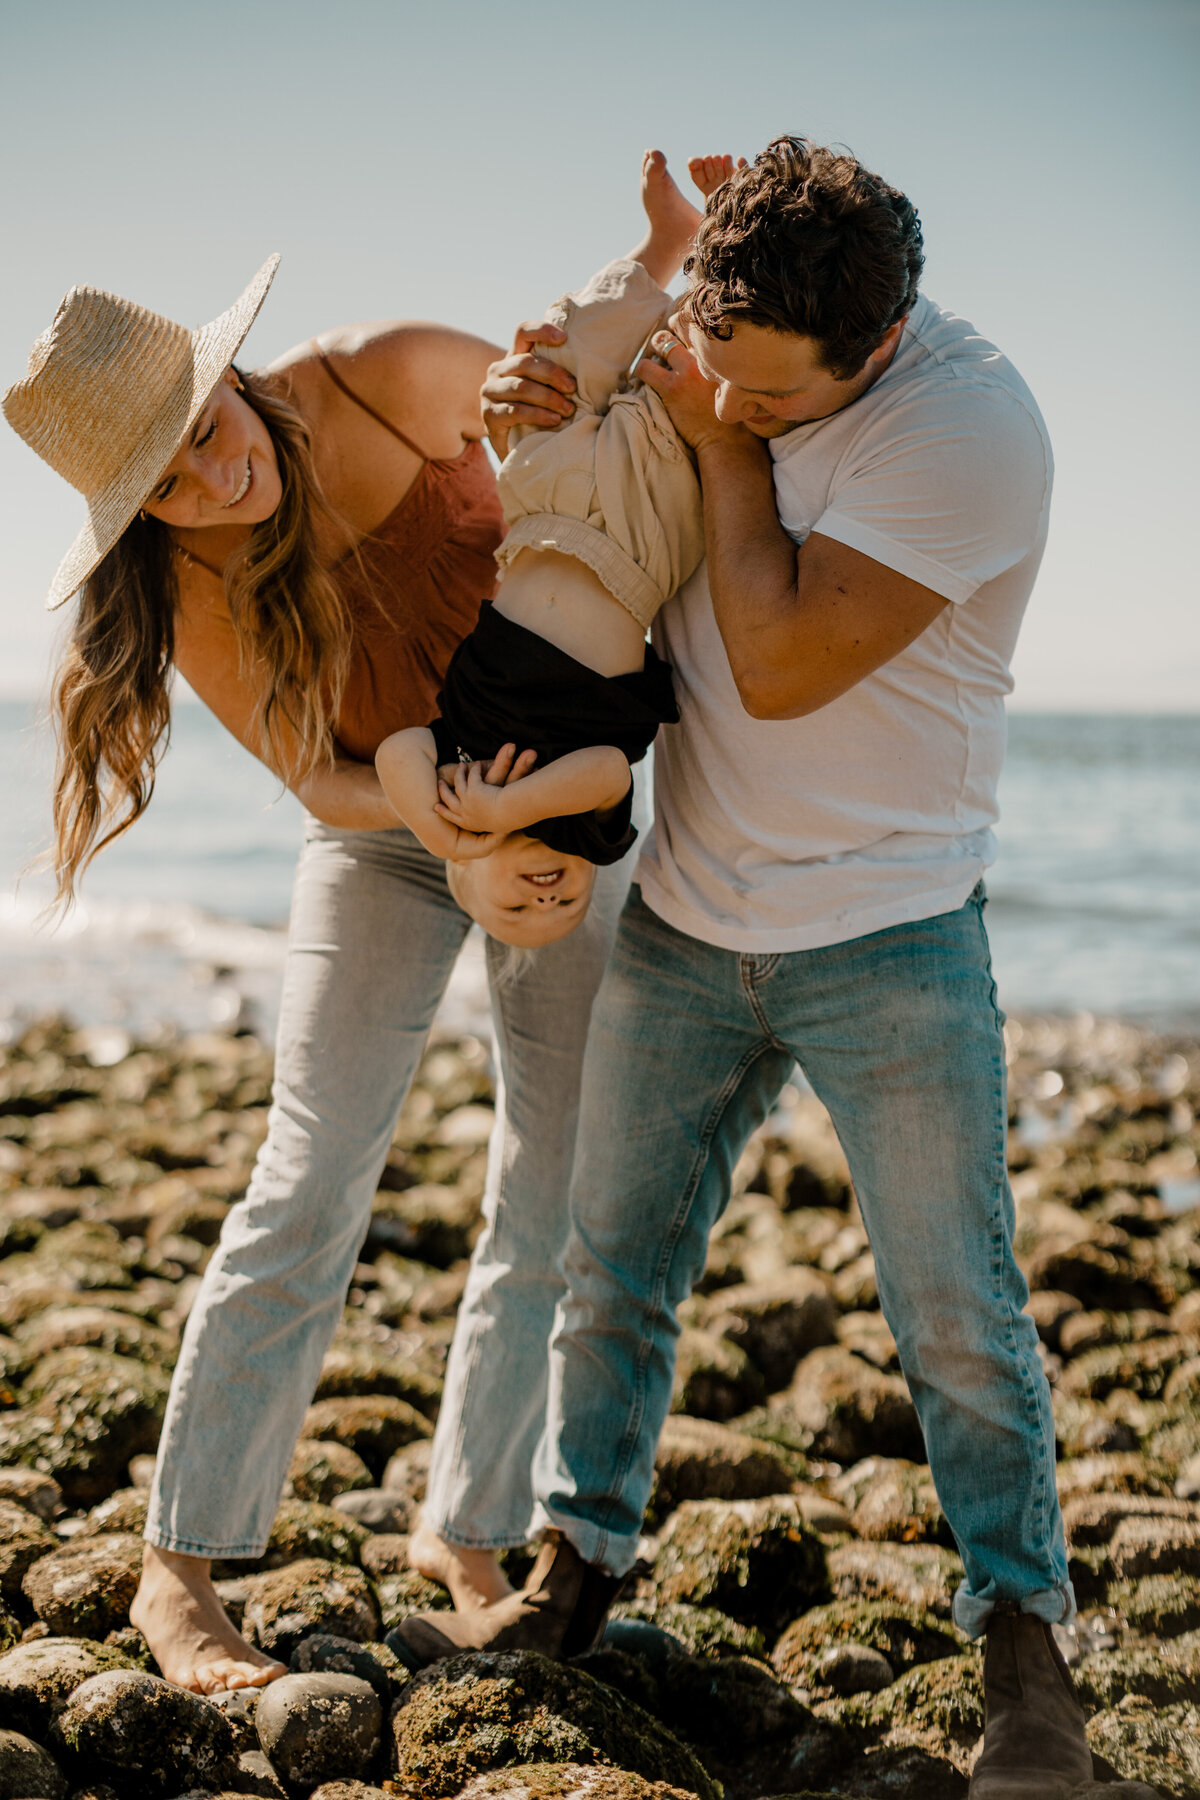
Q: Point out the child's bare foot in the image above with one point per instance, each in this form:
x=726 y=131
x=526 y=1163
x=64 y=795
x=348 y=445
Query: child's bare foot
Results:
x=473 y=1577
x=672 y=221
x=711 y=172
x=192 y=1637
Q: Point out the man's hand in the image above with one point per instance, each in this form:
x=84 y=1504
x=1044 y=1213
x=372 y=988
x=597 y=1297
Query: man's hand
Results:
x=525 y=389
x=687 y=396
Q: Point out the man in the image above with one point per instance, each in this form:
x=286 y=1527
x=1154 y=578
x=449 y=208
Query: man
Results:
x=876 y=483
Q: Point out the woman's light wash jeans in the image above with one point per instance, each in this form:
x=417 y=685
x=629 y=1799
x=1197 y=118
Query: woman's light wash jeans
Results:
x=373 y=939
x=899 y=1034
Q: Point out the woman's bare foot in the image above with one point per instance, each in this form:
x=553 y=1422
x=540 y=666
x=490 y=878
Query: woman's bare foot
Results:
x=673 y=220
x=192 y=1637
x=473 y=1577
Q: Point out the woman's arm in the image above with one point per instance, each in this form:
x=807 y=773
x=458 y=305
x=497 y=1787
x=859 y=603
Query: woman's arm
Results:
x=347 y=795
x=423 y=378
x=593 y=780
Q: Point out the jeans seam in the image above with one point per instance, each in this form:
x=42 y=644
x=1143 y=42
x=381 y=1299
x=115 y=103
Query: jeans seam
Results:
x=749 y=978
x=476 y=1344
x=657 y=1293
x=1041 y=1510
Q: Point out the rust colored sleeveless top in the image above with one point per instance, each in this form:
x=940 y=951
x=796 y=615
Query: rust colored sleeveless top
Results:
x=414 y=589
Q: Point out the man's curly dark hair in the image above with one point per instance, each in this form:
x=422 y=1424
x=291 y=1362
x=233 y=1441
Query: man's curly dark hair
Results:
x=806 y=240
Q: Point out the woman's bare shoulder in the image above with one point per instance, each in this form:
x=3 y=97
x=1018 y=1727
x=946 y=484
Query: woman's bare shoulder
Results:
x=423 y=375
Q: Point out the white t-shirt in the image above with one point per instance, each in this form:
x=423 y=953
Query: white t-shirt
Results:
x=877 y=809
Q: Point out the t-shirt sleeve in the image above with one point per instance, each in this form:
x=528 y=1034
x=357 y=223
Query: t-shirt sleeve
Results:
x=950 y=487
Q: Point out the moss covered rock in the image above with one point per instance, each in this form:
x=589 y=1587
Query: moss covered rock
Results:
x=1160 y=1606
x=356 y=1369
x=567 y=1781
x=149 y=1739
x=755 y=1560
x=24 y=1540
x=894 y=1501
x=303 y=1528
x=920 y=1575
x=321 y=1469
x=906 y=1635
x=714 y=1378
x=473 y=1714
x=700 y=1630
x=37 y=1679
x=286 y=1605
x=27 y=1771
x=98 y=1328
x=1144 y=1744
x=87 y=1414
x=1166 y=1675
x=853 y=1409
x=374 y=1426
x=125 y=1510
x=85 y=1589
x=697 y=1459
x=775 y=1322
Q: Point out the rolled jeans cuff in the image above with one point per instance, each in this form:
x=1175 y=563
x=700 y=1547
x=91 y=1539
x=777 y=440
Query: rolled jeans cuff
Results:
x=1056 y=1605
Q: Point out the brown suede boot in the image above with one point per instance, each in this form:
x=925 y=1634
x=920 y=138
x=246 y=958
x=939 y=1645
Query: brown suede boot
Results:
x=560 y=1611
x=1034 y=1746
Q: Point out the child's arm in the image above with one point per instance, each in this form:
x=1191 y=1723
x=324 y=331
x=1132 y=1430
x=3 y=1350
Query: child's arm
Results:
x=406 y=764
x=593 y=780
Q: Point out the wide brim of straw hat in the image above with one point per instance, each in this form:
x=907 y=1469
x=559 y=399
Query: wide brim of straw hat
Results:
x=111 y=510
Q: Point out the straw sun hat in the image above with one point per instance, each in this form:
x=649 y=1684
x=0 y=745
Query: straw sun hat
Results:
x=110 y=393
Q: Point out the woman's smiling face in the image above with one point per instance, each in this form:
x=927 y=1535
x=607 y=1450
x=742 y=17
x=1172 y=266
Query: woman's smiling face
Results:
x=225 y=472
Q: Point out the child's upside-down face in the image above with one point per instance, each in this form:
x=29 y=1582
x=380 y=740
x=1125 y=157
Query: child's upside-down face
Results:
x=524 y=893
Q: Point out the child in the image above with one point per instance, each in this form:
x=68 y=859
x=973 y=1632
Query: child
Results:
x=604 y=524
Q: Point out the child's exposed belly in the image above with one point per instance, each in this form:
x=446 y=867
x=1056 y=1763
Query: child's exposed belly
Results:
x=563 y=601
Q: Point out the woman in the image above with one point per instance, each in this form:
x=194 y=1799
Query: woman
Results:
x=307 y=546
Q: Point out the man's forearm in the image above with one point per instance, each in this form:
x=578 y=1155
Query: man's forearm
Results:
x=751 y=563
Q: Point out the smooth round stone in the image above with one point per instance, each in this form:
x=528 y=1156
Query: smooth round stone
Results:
x=329 y=1655
x=27 y=1772
x=372 y=1507
x=637 y=1637
x=319 y=1726
x=853 y=1669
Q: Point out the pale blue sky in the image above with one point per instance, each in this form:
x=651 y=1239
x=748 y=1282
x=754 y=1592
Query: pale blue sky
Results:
x=467 y=161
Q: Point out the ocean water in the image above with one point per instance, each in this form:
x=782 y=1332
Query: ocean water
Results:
x=1093 y=901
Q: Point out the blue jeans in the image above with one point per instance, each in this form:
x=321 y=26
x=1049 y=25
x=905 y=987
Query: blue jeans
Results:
x=373 y=940
x=899 y=1034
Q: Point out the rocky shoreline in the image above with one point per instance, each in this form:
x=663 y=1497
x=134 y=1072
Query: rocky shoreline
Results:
x=787 y=1631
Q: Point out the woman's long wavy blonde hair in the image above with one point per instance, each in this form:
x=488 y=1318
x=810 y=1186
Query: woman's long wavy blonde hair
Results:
x=111 y=701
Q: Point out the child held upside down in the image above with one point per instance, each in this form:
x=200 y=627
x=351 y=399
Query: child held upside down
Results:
x=604 y=524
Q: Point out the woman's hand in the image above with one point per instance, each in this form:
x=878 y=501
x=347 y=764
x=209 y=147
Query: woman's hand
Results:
x=525 y=389
x=690 y=399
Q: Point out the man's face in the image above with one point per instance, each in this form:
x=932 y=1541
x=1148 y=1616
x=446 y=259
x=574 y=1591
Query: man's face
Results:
x=771 y=381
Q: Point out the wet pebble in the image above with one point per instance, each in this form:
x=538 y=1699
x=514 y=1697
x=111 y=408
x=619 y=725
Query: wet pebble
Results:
x=27 y=1772
x=318 y=1725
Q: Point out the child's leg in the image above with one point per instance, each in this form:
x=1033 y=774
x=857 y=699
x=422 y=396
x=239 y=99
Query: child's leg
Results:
x=609 y=319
